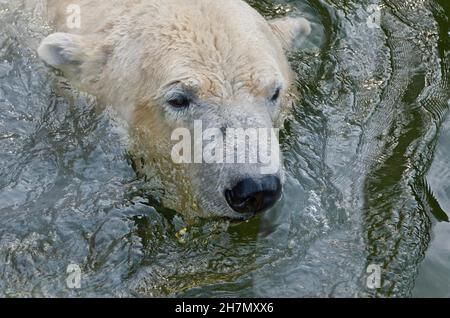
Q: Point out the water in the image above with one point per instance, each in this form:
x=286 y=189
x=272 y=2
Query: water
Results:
x=366 y=158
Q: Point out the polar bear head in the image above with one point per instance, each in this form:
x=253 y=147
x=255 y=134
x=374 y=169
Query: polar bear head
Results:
x=185 y=75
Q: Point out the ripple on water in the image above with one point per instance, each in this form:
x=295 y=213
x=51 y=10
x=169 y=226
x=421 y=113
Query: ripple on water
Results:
x=359 y=142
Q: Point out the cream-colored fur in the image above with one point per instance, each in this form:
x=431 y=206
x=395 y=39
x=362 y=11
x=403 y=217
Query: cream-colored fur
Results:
x=132 y=54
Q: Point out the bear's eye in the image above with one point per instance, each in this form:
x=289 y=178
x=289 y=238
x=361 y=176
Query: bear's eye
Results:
x=276 y=95
x=179 y=101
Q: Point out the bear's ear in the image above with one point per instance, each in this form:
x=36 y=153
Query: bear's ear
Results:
x=62 y=50
x=291 y=31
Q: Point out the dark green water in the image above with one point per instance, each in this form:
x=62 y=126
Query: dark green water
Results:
x=368 y=174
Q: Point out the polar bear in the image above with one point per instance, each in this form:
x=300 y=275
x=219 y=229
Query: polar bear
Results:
x=169 y=64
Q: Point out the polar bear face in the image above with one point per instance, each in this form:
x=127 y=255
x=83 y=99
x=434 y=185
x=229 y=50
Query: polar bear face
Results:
x=179 y=68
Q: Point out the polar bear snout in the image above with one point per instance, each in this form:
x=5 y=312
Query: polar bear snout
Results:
x=254 y=195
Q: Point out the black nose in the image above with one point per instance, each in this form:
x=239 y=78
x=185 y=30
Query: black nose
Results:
x=254 y=195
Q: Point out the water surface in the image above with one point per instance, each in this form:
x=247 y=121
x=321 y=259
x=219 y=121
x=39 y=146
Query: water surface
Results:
x=367 y=170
